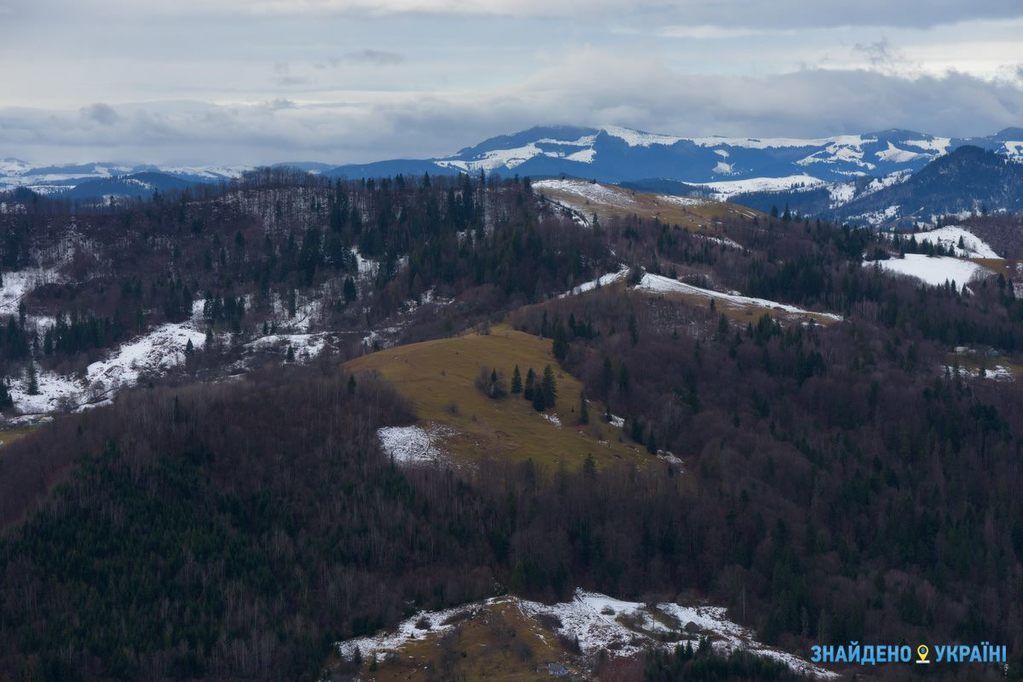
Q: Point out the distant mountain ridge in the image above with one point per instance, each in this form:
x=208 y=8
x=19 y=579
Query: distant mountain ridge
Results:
x=813 y=175
x=617 y=155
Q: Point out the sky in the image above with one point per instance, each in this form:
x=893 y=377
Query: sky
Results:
x=245 y=82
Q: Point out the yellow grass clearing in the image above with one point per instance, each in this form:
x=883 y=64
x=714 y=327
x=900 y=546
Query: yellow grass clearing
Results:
x=502 y=645
x=439 y=375
x=9 y=436
x=703 y=216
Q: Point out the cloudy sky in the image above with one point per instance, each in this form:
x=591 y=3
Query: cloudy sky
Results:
x=258 y=81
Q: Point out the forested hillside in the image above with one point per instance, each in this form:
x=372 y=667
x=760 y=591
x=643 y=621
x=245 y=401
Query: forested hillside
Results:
x=816 y=444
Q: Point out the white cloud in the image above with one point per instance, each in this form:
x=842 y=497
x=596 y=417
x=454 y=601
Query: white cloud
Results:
x=584 y=87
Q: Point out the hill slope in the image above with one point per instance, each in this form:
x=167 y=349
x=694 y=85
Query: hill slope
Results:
x=438 y=376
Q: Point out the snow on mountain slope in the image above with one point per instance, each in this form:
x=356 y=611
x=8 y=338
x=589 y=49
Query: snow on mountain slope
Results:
x=152 y=353
x=589 y=191
x=602 y=281
x=638 y=138
x=667 y=285
x=726 y=189
x=898 y=155
x=951 y=236
x=602 y=625
x=933 y=270
x=18 y=283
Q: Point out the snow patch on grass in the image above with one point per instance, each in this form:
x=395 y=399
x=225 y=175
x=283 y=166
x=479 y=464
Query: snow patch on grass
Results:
x=590 y=191
x=667 y=285
x=996 y=373
x=552 y=418
x=601 y=281
x=599 y=623
x=933 y=270
x=413 y=445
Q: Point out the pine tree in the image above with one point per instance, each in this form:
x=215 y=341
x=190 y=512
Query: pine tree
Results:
x=633 y=329
x=351 y=385
x=291 y=355
x=549 y=387
x=584 y=412
x=516 y=384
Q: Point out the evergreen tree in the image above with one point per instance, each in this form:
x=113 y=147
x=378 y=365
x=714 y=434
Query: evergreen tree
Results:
x=350 y=293
x=291 y=354
x=560 y=344
x=6 y=401
x=549 y=387
x=584 y=412
x=527 y=393
x=516 y=383
x=538 y=402
x=633 y=329
x=33 y=379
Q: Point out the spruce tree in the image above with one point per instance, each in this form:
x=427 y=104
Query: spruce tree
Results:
x=516 y=384
x=549 y=387
x=527 y=393
x=538 y=401
x=584 y=412
x=33 y=379
x=6 y=401
x=560 y=345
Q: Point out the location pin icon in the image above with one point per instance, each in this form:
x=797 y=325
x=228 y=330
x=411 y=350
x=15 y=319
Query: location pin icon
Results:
x=922 y=651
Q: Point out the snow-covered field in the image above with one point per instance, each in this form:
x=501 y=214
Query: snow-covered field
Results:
x=682 y=201
x=598 y=622
x=589 y=191
x=949 y=237
x=667 y=285
x=933 y=270
x=414 y=444
x=726 y=189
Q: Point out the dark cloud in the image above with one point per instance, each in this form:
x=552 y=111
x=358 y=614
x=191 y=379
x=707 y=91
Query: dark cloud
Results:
x=100 y=113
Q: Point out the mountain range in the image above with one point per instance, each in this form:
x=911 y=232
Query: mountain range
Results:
x=856 y=177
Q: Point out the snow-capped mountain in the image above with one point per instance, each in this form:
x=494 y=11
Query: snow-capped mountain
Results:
x=614 y=154
x=89 y=180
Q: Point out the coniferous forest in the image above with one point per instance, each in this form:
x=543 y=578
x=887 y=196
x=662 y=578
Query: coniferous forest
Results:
x=840 y=482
